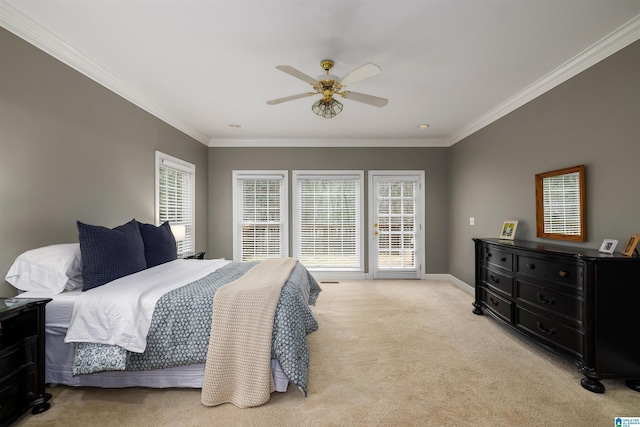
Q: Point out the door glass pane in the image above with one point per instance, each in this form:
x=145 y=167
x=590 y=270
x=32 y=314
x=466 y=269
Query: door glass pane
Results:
x=396 y=224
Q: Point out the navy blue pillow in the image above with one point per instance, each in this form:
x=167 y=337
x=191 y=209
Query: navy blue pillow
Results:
x=108 y=254
x=159 y=243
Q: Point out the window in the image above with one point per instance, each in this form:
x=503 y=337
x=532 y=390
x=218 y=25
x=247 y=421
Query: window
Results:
x=327 y=219
x=175 y=197
x=260 y=215
x=562 y=204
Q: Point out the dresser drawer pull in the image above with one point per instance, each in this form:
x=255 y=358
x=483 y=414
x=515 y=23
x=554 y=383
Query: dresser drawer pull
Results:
x=503 y=259
x=541 y=328
x=494 y=280
x=563 y=273
x=489 y=255
x=531 y=266
x=543 y=300
x=493 y=302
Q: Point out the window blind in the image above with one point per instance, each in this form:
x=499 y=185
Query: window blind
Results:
x=396 y=223
x=562 y=204
x=261 y=228
x=176 y=197
x=328 y=221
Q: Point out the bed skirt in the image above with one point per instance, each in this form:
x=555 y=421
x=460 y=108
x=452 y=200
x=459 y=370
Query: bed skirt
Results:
x=59 y=360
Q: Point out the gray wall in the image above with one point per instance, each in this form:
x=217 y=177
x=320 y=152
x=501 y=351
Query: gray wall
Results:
x=591 y=119
x=434 y=161
x=72 y=150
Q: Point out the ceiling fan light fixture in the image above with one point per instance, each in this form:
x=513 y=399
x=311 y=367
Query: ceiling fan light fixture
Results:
x=327 y=109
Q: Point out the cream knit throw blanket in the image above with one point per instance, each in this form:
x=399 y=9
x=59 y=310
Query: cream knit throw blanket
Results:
x=238 y=365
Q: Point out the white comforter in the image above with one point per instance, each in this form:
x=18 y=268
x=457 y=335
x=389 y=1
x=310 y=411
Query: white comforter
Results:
x=119 y=312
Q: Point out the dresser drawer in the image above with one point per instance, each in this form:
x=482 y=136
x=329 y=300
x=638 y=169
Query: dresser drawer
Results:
x=498 y=281
x=560 y=272
x=497 y=304
x=498 y=258
x=550 y=332
x=20 y=353
x=554 y=302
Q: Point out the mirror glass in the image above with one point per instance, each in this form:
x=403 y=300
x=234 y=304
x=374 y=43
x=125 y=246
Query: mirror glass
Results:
x=560 y=204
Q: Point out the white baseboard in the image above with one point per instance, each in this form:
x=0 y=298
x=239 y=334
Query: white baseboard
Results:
x=336 y=277
x=459 y=283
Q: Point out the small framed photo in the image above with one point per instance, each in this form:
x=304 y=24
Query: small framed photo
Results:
x=508 y=230
x=631 y=244
x=608 y=246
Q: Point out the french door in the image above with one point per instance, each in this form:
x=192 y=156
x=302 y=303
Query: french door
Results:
x=396 y=214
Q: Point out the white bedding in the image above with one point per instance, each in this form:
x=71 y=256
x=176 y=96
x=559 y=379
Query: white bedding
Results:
x=59 y=355
x=119 y=313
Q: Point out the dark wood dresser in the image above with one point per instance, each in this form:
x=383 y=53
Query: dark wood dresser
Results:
x=22 y=355
x=578 y=303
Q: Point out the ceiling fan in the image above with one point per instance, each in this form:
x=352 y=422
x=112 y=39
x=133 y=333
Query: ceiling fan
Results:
x=329 y=85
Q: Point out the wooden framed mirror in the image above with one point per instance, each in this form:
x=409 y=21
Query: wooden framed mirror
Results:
x=560 y=204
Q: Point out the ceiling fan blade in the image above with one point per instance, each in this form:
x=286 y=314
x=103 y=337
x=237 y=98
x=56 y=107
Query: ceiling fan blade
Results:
x=364 y=72
x=367 y=99
x=298 y=74
x=290 y=98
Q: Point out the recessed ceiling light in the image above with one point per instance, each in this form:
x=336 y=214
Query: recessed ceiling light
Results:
x=423 y=126
x=235 y=125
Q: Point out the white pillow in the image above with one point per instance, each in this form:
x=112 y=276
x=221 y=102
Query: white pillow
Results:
x=51 y=269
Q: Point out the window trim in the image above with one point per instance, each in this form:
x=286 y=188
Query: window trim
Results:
x=328 y=273
x=183 y=166
x=284 y=207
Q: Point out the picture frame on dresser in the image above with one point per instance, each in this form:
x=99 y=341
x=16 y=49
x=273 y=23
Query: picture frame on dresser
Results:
x=508 y=229
x=608 y=246
x=631 y=244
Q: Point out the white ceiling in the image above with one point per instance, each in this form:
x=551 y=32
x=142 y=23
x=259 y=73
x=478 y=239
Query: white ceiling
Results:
x=203 y=65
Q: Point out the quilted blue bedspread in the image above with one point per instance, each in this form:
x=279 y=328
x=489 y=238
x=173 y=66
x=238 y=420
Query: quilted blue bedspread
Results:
x=181 y=326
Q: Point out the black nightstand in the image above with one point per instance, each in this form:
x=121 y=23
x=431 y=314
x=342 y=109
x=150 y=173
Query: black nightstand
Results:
x=22 y=383
x=197 y=255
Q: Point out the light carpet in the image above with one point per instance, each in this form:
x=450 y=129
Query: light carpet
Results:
x=388 y=353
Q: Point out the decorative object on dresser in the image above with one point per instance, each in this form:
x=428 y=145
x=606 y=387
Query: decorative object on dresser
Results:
x=508 y=229
x=577 y=303
x=22 y=358
x=608 y=246
x=630 y=246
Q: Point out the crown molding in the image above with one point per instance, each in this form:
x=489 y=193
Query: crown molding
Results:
x=17 y=23
x=25 y=28
x=610 y=44
x=328 y=142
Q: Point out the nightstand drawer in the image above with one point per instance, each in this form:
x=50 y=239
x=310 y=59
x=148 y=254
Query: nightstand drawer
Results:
x=17 y=391
x=553 y=333
x=21 y=353
x=497 y=304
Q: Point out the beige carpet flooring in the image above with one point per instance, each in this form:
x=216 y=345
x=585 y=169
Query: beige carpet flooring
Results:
x=388 y=353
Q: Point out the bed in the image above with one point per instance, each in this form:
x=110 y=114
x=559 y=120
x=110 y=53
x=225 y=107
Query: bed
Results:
x=138 y=317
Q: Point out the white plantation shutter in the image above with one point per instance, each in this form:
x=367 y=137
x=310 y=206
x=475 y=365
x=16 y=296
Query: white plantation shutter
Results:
x=260 y=216
x=328 y=220
x=562 y=204
x=175 y=197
